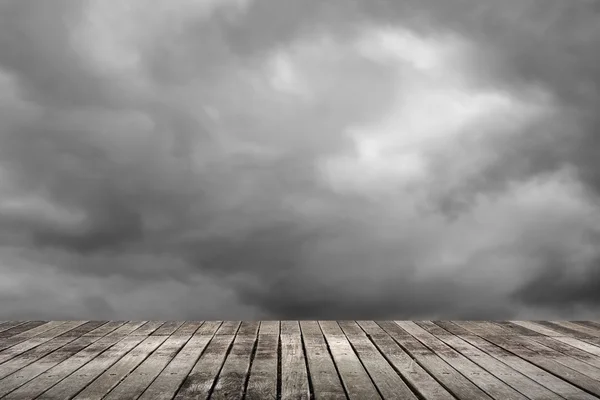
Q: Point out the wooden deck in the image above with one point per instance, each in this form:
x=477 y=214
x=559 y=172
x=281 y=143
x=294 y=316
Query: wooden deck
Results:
x=299 y=360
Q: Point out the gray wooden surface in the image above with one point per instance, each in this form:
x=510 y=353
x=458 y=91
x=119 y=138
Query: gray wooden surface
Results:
x=503 y=360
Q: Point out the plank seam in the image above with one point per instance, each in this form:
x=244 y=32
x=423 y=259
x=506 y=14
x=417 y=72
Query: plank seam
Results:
x=305 y=353
x=333 y=361
x=279 y=355
x=540 y=366
x=200 y=356
x=413 y=388
x=252 y=355
x=159 y=372
x=89 y=361
x=218 y=374
x=360 y=360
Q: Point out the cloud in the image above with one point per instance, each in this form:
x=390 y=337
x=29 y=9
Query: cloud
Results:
x=261 y=158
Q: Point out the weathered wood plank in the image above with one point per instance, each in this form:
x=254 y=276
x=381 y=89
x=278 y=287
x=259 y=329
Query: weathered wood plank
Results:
x=451 y=379
x=26 y=349
x=428 y=360
x=517 y=329
x=105 y=382
x=105 y=329
x=79 y=379
x=232 y=378
x=321 y=368
x=203 y=375
x=171 y=378
x=148 y=328
x=549 y=361
x=535 y=373
x=142 y=376
x=419 y=379
x=355 y=378
x=388 y=381
x=30 y=333
x=229 y=328
x=580 y=344
x=82 y=329
x=26 y=374
x=20 y=327
x=64 y=368
x=537 y=328
x=574 y=329
x=262 y=383
x=7 y=325
x=188 y=328
x=294 y=376
x=563 y=346
x=167 y=328
x=126 y=329
x=515 y=379
x=486 y=381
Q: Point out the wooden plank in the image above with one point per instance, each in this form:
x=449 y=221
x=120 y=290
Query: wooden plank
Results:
x=563 y=330
x=203 y=375
x=18 y=338
x=355 y=378
x=32 y=355
x=26 y=374
x=232 y=378
x=148 y=328
x=535 y=373
x=188 y=328
x=322 y=371
x=229 y=328
x=563 y=346
x=142 y=376
x=537 y=328
x=530 y=388
x=486 y=381
x=9 y=325
x=24 y=348
x=566 y=359
x=483 y=328
x=290 y=328
x=387 y=380
x=294 y=375
x=103 y=384
x=209 y=328
x=451 y=379
x=78 y=380
x=534 y=345
x=580 y=344
x=105 y=329
x=262 y=383
x=419 y=380
x=167 y=328
x=589 y=335
x=517 y=329
x=126 y=329
x=549 y=361
x=589 y=324
x=20 y=327
x=452 y=328
x=434 y=329
x=63 y=368
x=84 y=328
x=171 y=378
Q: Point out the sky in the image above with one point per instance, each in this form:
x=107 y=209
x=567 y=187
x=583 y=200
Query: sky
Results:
x=285 y=159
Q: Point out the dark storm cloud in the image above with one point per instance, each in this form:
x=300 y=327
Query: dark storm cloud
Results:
x=195 y=156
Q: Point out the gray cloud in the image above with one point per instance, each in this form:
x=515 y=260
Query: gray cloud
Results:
x=240 y=159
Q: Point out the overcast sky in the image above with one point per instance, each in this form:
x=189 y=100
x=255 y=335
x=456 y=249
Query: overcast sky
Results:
x=231 y=159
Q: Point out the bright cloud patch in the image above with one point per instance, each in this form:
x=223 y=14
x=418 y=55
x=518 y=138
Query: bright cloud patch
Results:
x=435 y=107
